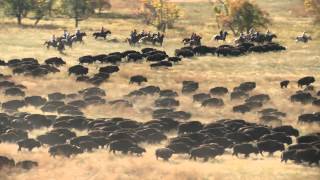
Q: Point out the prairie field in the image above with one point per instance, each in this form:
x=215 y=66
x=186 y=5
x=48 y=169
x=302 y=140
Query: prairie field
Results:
x=267 y=70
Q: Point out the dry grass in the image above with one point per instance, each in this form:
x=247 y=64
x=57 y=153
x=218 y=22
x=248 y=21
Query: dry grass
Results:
x=265 y=69
x=102 y=165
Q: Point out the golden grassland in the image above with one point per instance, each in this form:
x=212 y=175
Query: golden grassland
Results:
x=265 y=69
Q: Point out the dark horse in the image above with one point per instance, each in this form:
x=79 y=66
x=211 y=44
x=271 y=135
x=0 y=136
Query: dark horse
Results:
x=261 y=38
x=158 y=39
x=136 y=39
x=303 y=39
x=101 y=34
x=222 y=36
x=154 y=39
x=270 y=37
x=61 y=46
x=133 y=40
x=78 y=37
x=51 y=44
x=196 y=41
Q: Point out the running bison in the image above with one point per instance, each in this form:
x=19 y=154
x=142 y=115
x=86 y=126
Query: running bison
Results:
x=139 y=79
x=245 y=148
x=28 y=144
x=164 y=153
x=306 y=81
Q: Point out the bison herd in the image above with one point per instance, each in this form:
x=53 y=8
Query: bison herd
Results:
x=172 y=129
x=196 y=139
x=158 y=58
x=193 y=138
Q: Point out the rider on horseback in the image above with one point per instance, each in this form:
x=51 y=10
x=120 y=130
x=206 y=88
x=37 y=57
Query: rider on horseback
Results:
x=143 y=33
x=193 y=36
x=65 y=34
x=304 y=35
x=78 y=32
x=242 y=37
x=221 y=33
x=53 y=38
x=102 y=30
x=268 y=33
x=133 y=34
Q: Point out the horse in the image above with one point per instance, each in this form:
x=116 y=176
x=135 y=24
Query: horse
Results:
x=154 y=39
x=136 y=39
x=78 y=37
x=50 y=44
x=261 y=38
x=101 y=34
x=222 y=36
x=61 y=46
x=146 y=39
x=158 y=39
x=192 y=42
x=132 y=41
x=303 y=39
x=67 y=42
x=270 y=37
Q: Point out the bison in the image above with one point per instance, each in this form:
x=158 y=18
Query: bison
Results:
x=288 y=155
x=179 y=148
x=27 y=164
x=6 y=162
x=55 y=61
x=284 y=84
x=188 y=127
x=78 y=70
x=137 y=150
x=306 y=81
x=66 y=150
x=245 y=148
x=121 y=145
x=138 y=79
x=28 y=144
x=287 y=129
x=204 y=152
x=189 y=86
x=311 y=156
x=270 y=146
x=164 y=153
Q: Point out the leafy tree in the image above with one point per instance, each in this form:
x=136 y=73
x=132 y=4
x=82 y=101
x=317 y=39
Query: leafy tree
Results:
x=17 y=8
x=240 y=15
x=77 y=9
x=50 y=6
x=160 y=13
x=313 y=7
x=42 y=8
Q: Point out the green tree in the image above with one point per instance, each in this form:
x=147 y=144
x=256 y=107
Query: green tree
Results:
x=41 y=8
x=51 y=4
x=240 y=15
x=77 y=9
x=17 y=8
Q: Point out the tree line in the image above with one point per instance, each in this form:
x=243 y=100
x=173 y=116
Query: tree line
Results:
x=236 y=15
x=76 y=9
